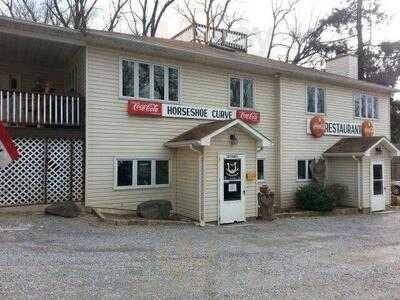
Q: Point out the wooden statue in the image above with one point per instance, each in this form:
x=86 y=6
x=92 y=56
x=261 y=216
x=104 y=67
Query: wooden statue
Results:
x=266 y=203
x=318 y=170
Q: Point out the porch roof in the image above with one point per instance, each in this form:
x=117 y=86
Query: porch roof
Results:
x=360 y=146
x=201 y=135
x=183 y=51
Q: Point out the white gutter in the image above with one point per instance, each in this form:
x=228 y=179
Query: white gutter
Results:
x=359 y=181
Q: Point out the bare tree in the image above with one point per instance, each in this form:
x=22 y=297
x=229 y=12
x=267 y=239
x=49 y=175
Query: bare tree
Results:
x=279 y=13
x=144 y=16
x=74 y=14
x=30 y=10
x=212 y=14
x=116 y=14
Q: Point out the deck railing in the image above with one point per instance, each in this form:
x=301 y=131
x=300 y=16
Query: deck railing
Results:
x=214 y=36
x=25 y=108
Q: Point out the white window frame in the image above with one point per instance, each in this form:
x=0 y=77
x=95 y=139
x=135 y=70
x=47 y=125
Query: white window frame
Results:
x=265 y=169
x=136 y=80
x=308 y=161
x=359 y=96
x=316 y=87
x=134 y=185
x=241 y=78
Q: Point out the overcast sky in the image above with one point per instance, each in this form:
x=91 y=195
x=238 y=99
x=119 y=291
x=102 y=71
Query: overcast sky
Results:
x=257 y=15
x=258 y=19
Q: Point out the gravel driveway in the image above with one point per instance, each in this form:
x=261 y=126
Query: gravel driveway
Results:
x=330 y=257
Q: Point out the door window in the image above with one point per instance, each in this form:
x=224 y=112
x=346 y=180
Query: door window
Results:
x=232 y=179
x=378 y=179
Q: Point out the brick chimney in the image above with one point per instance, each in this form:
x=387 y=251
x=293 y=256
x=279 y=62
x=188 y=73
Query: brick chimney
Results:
x=343 y=64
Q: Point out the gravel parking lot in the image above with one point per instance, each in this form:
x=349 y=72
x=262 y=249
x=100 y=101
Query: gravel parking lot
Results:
x=329 y=257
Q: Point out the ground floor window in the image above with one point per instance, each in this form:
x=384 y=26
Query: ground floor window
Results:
x=260 y=169
x=304 y=169
x=138 y=173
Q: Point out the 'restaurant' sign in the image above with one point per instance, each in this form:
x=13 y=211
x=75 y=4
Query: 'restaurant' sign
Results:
x=150 y=108
x=339 y=128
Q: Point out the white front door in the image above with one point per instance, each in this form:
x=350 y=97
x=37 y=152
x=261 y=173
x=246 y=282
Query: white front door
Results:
x=378 y=187
x=232 y=188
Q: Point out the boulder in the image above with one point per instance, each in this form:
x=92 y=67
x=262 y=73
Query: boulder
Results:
x=154 y=209
x=66 y=209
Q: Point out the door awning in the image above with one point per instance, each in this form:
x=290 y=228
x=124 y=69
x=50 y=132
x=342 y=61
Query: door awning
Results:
x=360 y=146
x=202 y=134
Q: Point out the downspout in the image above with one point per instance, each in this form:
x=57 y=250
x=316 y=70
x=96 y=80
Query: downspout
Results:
x=200 y=183
x=359 y=181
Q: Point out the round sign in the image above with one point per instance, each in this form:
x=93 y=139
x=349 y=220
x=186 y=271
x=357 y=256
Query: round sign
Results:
x=317 y=126
x=367 y=128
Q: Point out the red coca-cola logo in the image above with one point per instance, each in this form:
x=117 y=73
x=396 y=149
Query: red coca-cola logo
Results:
x=247 y=116
x=137 y=107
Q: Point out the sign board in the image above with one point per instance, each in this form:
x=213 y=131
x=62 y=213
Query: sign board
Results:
x=338 y=128
x=168 y=110
x=8 y=150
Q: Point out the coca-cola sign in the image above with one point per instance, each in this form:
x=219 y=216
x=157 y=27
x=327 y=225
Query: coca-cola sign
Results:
x=136 y=107
x=168 y=110
x=248 y=116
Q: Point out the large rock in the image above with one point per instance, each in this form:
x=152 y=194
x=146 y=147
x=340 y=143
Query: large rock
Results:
x=154 y=209
x=66 y=209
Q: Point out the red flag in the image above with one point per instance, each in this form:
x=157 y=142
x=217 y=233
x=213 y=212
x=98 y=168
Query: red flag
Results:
x=8 y=150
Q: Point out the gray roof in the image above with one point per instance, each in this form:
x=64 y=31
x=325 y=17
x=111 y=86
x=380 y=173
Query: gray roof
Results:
x=353 y=145
x=184 y=51
x=200 y=131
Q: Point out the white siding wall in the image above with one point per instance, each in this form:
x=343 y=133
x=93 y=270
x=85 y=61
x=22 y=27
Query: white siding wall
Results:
x=187 y=183
x=221 y=145
x=111 y=132
x=344 y=171
x=296 y=144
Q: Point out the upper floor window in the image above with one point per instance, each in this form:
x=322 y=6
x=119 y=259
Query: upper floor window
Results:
x=241 y=92
x=315 y=100
x=149 y=81
x=365 y=106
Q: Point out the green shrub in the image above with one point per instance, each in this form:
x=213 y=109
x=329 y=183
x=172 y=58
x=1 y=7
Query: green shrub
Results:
x=339 y=192
x=314 y=197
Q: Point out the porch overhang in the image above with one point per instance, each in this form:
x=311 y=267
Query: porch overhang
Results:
x=201 y=135
x=359 y=147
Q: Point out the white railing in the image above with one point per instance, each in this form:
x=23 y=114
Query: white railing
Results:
x=214 y=36
x=39 y=109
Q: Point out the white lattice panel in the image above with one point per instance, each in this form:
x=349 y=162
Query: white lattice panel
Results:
x=78 y=171
x=58 y=170
x=25 y=181
x=22 y=182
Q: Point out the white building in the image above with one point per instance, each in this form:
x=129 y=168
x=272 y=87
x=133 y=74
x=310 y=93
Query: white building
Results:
x=198 y=125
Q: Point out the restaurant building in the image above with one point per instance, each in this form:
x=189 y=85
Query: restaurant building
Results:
x=203 y=126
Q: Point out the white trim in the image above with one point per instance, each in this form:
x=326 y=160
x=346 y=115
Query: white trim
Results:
x=316 y=87
x=387 y=143
x=206 y=141
x=307 y=179
x=265 y=142
x=360 y=94
x=241 y=79
x=265 y=169
x=134 y=185
x=151 y=78
x=383 y=195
